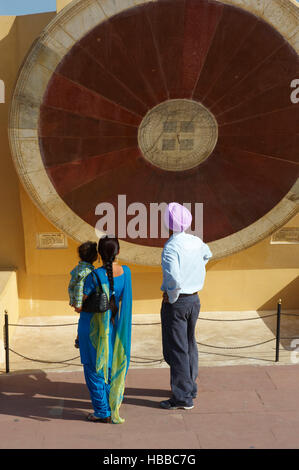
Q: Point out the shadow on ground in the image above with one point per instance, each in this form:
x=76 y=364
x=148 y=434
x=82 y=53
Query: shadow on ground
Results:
x=36 y=397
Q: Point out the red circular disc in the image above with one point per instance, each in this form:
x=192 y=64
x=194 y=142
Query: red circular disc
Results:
x=229 y=60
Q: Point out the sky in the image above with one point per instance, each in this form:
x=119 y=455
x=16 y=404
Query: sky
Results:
x=26 y=7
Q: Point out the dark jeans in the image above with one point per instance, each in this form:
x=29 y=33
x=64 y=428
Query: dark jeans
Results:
x=180 y=347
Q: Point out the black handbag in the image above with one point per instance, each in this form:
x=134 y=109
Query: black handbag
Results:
x=96 y=302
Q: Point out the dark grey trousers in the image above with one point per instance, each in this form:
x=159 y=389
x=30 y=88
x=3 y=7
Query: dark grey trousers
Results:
x=180 y=348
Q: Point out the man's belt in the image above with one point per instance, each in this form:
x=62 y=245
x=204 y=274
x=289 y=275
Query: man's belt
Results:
x=187 y=295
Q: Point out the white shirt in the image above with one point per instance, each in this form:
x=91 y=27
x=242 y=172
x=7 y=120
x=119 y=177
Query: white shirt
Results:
x=184 y=258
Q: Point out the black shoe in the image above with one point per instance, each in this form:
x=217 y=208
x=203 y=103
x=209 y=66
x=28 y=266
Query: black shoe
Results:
x=169 y=405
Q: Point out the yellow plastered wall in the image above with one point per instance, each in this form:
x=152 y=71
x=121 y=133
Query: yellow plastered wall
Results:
x=252 y=279
x=16 y=37
x=255 y=279
x=60 y=4
x=43 y=287
x=8 y=302
x=249 y=280
x=11 y=230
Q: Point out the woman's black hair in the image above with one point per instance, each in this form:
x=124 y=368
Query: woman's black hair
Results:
x=108 y=248
x=88 y=252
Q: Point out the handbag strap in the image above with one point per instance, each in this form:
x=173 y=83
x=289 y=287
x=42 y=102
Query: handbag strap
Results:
x=97 y=283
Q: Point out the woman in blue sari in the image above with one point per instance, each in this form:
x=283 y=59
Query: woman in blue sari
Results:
x=105 y=338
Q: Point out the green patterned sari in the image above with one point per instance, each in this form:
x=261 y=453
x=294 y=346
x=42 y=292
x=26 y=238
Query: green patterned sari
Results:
x=100 y=330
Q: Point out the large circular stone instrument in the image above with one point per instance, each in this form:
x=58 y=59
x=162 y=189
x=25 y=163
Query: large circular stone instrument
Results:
x=161 y=101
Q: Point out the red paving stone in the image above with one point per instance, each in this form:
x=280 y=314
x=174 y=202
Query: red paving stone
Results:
x=239 y=378
x=232 y=431
x=239 y=407
x=287 y=377
x=285 y=399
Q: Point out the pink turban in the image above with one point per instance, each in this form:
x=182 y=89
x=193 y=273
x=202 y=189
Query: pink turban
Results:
x=177 y=217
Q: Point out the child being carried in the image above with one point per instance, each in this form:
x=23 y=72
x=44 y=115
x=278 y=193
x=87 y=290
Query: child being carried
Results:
x=88 y=254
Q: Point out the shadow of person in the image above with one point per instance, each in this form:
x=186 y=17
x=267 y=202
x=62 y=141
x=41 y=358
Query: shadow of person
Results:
x=140 y=396
x=141 y=402
x=147 y=392
x=30 y=383
x=33 y=395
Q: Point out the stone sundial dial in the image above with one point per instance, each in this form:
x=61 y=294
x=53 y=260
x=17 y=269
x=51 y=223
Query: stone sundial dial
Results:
x=161 y=101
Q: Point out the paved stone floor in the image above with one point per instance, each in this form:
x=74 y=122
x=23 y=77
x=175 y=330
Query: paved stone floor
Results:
x=239 y=407
x=246 y=400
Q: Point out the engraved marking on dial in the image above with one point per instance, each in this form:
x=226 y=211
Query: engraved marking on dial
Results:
x=178 y=135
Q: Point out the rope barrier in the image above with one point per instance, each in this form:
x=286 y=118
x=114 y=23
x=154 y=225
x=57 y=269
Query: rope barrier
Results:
x=142 y=360
x=236 y=347
x=42 y=326
x=150 y=361
x=152 y=324
x=41 y=360
x=239 y=319
x=74 y=324
x=159 y=323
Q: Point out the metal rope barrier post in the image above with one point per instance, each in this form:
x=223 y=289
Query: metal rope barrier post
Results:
x=278 y=330
x=6 y=341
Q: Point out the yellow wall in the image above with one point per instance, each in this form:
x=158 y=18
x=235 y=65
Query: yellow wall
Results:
x=60 y=4
x=252 y=279
x=249 y=280
x=16 y=37
x=11 y=231
x=8 y=301
x=255 y=279
x=43 y=287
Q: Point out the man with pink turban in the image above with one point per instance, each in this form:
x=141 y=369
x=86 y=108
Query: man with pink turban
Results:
x=184 y=258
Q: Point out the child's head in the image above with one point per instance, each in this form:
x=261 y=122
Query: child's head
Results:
x=88 y=252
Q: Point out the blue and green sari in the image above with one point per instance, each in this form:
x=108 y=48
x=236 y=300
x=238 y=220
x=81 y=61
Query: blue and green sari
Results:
x=105 y=347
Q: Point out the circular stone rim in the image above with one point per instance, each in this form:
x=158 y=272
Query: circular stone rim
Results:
x=160 y=105
x=47 y=51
